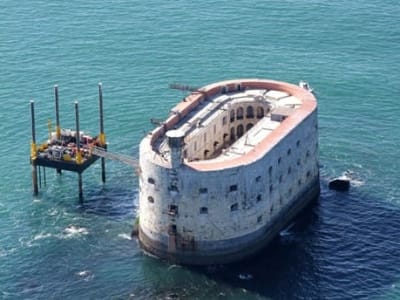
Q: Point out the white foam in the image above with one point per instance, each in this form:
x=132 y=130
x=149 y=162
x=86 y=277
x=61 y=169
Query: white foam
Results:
x=73 y=230
x=86 y=275
x=124 y=236
x=41 y=236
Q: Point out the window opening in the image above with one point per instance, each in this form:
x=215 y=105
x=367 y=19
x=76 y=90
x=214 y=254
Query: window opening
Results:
x=239 y=113
x=232 y=115
x=203 y=210
x=234 y=207
x=239 y=131
x=173 y=210
x=203 y=190
x=260 y=112
x=233 y=188
x=249 y=112
x=249 y=126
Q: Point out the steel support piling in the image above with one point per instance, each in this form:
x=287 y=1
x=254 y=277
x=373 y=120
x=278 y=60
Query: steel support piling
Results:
x=102 y=135
x=34 y=152
x=80 y=187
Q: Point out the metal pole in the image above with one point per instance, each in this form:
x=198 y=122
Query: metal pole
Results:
x=78 y=146
x=58 y=129
x=33 y=152
x=44 y=176
x=40 y=178
x=80 y=187
x=102 y=135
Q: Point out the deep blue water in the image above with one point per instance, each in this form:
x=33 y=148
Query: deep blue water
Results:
x=346 y=246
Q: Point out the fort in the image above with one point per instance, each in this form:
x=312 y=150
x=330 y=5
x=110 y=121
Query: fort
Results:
x=233 y=163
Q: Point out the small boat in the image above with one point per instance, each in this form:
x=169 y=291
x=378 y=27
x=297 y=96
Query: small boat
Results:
x=306 y=86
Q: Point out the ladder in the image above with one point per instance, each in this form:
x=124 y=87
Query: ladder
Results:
x=126 y=159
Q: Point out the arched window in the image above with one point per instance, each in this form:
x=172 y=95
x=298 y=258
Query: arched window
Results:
x=232 y=134
x=249 y=112
x=260 y=112
x=239 y=113
x=239 y=131
x=249 y=126
x=232 y=115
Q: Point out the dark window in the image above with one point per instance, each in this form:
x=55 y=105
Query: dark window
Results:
x=173 y=210
x=289 y=151
x=151 y=180
x=223 y=89
x=260 y=112
x=239 y=131
x=204 y=210
x=271 y=210
x=232 y=115
x=239 y=113
x=172 y=229
x=259 y=198
x=299 y=182
x=271 y=188
x=270 y=170
x=298 y=162
x=308 y=154
x=280 y=178
x=206 y=152
x=203 y=190
x=173 y=188
x=259 y=219
x=233 y=188
x=234 y=207
x=298 y=143
x=232 y=134
x=279 y=160
x=249 y=126
x=150 y=199
x=308 y=174
x=224 y=121
x=289 y=170
x=238 y=87
x=215 y=144
x=249 y=112
x=258 y=178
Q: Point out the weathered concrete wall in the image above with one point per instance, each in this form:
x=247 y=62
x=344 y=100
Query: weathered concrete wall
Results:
x=231 y=203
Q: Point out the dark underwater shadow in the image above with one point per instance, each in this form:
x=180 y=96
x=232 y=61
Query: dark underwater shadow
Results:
x=343 y=246
x=117 y=202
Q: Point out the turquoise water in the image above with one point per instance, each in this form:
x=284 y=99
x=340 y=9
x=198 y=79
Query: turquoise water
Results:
x=347 y=246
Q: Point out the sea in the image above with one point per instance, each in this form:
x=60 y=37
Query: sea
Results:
x=52 y=246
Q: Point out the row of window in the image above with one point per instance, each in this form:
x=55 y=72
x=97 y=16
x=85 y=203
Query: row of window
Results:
x=233 y=187
x=238 y=114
